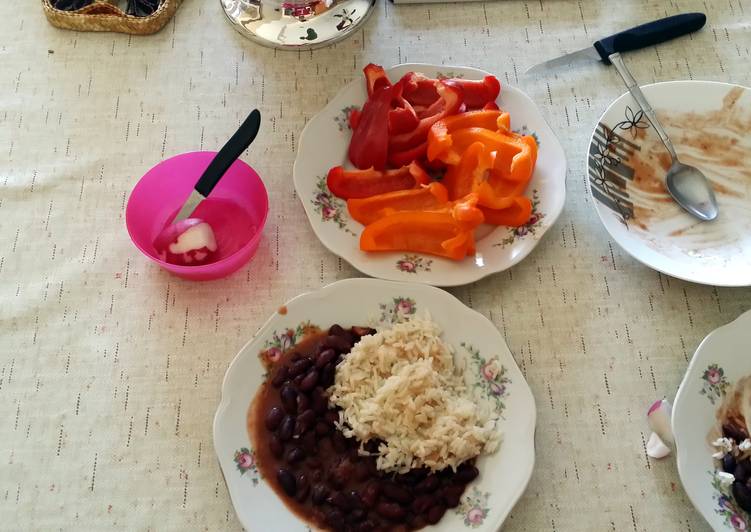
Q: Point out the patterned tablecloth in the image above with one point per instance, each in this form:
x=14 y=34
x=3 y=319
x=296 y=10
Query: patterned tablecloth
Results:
x=110 y=369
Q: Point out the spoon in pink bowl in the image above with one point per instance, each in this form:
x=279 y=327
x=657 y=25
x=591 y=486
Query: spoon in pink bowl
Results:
x=190 y=241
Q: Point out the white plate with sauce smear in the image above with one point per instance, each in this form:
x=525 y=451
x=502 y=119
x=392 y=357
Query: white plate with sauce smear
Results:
x=504 y=474
x=709 y=124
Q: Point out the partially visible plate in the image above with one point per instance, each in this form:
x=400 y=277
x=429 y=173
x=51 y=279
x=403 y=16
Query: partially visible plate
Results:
x=324 y=143
x=503 y=475
x=709 y=124
x=721 y=359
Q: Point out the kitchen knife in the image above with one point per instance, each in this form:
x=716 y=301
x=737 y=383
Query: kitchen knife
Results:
x=642 y=36
x=234 y=147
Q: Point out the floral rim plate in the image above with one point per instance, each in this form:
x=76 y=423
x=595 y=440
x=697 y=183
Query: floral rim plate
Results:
x=503 y=475
x=324 y=143
x=721 y=359
x=709 y=126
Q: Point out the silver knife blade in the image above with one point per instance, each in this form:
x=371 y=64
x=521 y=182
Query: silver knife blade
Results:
x=189 y=206
x=585 y=54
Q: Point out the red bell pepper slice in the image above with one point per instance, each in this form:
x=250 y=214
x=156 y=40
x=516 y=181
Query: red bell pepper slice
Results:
x=354 y=118
x=348 y=184
x=368 y=147
x=402 y=119
x=419 y=90
x=375 y=78
x=451 y=98
x=477 y=93
x=400 y=158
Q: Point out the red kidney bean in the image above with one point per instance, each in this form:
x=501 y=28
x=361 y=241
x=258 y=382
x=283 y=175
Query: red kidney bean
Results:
x=334 y=517
x=731 y=431
x=396 y=493
x=303 y=487
x=339 y=344
x=362 y=331
x=287 y=428
x=391 y=510
x=337 y=330
x=320 y=402
x=280 y=376
x=435 y=513
x=341 y=473
x=428 y=485
x=304 y=422
x=319 y=493
x=294 y=454
x=362 y=470
x=466 y=473
x=303 y=402
x=322 y=428
x=328 y=374
x=326 y=356
x=365 y=526
x=452 y=495
x=316 y=475
x=274 y=418
x=356 y=515
x=355 y=500
x=339 y=442
x=287 y=481
x=742 y=495
x=417 y=522
x=299 y=367
x=310 y=381
x=276 y=446
x=412 y=477
x=340 y=500
x=309 y=442
x=289 y=398
x=422 y=503
x=331 y=416
x=369 y=495
x=314 y=463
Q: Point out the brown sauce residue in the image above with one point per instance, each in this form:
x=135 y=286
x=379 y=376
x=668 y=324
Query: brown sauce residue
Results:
x=283 y=310
x=717 y=142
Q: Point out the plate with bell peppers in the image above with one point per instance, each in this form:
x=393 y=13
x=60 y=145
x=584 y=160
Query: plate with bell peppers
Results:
x=435 y=174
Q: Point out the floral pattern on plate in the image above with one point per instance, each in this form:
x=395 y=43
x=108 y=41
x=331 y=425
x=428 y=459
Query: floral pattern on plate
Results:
x=413 y=264
x=398 y=310
x=494 y=379
x=734 y=517
x=342 y=119
x=245 y=459
x=282 y=340
x=530 y=228
x=715 y=383
x=330 y=208
x=474 y=508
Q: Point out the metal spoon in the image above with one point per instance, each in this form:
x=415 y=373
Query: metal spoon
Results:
x=688 y=185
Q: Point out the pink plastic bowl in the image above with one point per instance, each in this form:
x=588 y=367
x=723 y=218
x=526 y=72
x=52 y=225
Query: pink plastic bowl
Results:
x=236 y=210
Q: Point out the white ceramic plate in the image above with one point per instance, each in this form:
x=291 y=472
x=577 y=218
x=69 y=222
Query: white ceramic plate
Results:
x=709 y=125
x=324 y=143
x=721 y=359
x=503 y=475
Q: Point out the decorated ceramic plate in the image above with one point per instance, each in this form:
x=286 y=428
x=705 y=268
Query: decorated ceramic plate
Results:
x=721 y=359
x=709 y=126
x=324 y=143
x=503 y=474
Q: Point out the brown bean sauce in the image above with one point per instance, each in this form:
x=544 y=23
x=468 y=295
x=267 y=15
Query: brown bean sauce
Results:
x=316 y=471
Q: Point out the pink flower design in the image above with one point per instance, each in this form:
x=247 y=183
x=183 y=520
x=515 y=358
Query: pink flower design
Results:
x=489 y=371
x=404 y=307
x=287 y=339
x=476 y=515
x=713 y=376
x=273 y=353
x=532 y=220
x=407 y=266
x=521 y=231
x=327 y=213
x=497 y=389
x=737 y=522
x=245 y=461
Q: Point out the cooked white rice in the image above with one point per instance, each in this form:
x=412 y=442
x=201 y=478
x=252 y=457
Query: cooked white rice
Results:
x=402 y=386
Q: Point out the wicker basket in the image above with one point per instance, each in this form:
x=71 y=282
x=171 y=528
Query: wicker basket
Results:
x=105 y=16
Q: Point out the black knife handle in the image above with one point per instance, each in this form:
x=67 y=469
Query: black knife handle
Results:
x=229 y=153
x=650 y=34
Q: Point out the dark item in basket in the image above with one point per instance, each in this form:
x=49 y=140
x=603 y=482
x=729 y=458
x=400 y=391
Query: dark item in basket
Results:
x=135 y=17
x=142 y=8
x=71 y=5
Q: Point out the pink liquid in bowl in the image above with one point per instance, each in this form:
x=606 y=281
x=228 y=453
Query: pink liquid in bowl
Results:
x=236 y=210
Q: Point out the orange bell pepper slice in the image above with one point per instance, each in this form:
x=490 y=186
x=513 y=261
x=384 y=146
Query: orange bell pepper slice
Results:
x=515 y=215
x=445 y=233
x=368 y=210
x=439 y=136
x=465 y=177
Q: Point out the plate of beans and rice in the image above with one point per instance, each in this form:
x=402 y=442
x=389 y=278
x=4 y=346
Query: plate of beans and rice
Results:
x=374 y=405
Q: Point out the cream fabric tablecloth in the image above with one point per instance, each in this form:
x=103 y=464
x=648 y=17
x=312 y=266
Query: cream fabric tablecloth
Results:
x=110 y=369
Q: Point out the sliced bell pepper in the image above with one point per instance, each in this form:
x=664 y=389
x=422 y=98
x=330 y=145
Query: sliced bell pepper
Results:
x=368 y=147
x=515 y=215
x=446 y=233
x=348 y=184
x=354 y=118
x=439 y=138
x=419 y=90
x=490 y=106
x=478 y=93
x=400 y=158
x=368 y=210
x=375 y=78
x=402 y=119
x=465 y=177
x=451 y=101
